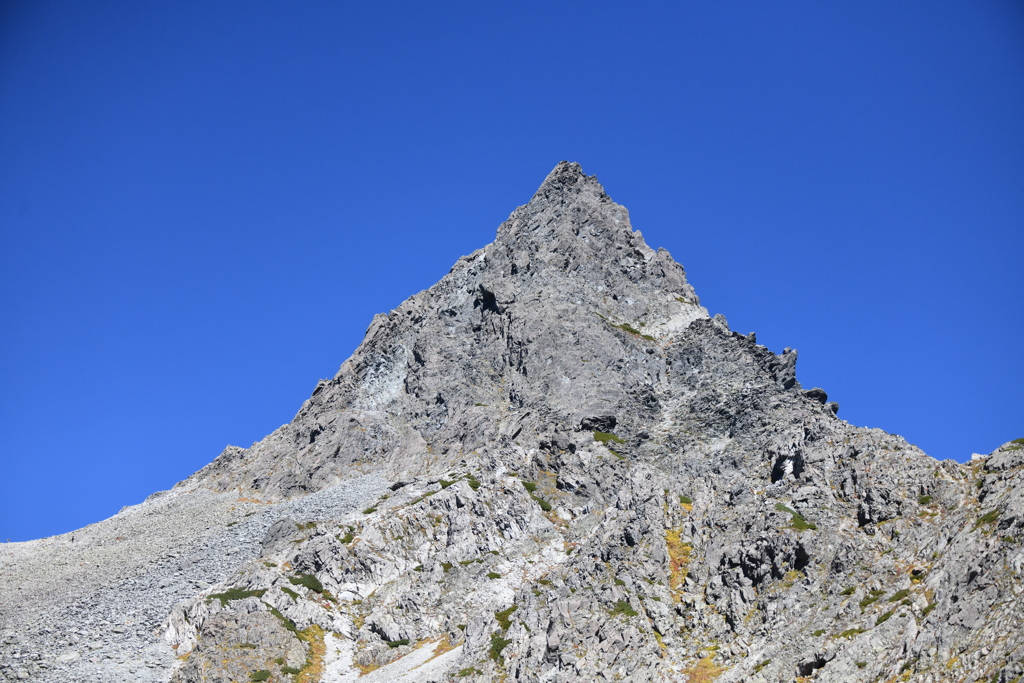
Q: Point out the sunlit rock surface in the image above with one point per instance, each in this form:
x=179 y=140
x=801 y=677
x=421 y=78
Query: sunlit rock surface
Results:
x=552 y=465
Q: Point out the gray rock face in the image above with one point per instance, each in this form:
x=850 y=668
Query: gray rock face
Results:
x=585 y=477
x=526 y=338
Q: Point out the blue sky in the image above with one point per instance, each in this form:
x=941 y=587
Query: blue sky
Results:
x=202 y=205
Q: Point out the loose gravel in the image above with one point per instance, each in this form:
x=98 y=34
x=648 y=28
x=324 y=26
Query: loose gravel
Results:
x=88 y=605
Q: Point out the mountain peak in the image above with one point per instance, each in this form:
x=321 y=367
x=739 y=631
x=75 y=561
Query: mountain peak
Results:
x=565 y=268
x=571 y=214
x=553 y=439
x=564 y=176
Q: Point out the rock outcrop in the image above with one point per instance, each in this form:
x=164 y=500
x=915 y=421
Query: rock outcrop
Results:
x=591 y=479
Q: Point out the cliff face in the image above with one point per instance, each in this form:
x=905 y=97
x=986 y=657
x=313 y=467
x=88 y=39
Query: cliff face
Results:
x=587 y=478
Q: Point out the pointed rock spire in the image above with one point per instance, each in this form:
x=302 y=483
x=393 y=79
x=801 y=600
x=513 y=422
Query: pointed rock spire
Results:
x=564 y=177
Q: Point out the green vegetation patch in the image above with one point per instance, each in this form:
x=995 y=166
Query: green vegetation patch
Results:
x=307 y=580
x=623 y=607
x=446 y=566
x=290 y=593
x=797 y=520
x=530 y=487
x=290 y=670
x=988 y=518
x=626 y=327
x=819 y=632
x=469 y=671
x=758 y=667
x=493 y=575
x=235 y=594
x=884 y=618
x=685 y=500
x=848 y=591
x=606 y=437
x=927 y=610
x=474 y=484
x=924 y=500
x=247 y=646
x=397 y=643
x=261 y=675
x=872 y=598
x=504 y=616
x=850 y=633
x=497 y=645
x=287 y=623
x=899 y=595
x=369 y=511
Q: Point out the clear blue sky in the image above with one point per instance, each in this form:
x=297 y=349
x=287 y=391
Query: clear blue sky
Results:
x=203 y=204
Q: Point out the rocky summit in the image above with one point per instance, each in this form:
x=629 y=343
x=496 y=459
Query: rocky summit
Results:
x=552 y=465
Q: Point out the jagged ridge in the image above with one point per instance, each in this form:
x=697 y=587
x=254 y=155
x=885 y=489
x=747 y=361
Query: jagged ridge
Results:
x=595 y=480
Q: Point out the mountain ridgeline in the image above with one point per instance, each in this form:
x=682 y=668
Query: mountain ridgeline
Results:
x=585 y=477
x=593 y=480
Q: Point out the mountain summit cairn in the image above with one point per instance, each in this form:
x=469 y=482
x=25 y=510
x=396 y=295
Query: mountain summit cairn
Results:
x=553 y=465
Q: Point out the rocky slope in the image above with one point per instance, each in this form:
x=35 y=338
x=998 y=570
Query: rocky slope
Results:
x=581 y=476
